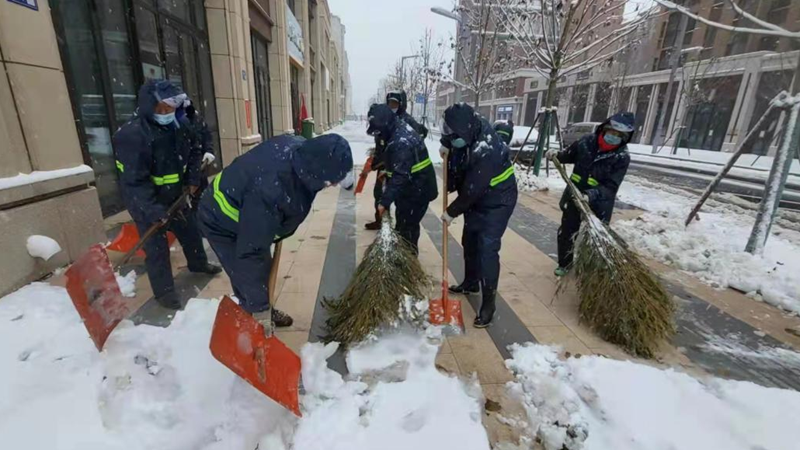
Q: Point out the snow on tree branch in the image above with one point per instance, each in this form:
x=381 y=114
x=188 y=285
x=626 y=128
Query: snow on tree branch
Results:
x=769 y=29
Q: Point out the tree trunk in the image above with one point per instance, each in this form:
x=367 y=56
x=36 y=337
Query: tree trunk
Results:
x=781 y=167
x=544 y=128
x=675 y=60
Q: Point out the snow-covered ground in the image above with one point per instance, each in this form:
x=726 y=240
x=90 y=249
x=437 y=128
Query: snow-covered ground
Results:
x=712 y=248
x=360 y=142
x=745 y=162
x=594 y=403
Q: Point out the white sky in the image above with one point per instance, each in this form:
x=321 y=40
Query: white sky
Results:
x=379 y=32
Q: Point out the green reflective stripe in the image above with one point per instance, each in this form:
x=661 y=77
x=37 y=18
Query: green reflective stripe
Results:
x=226 y=207
x=576 y=178
x=166 y=179
x=421 y=165
x=502 y=177
x=593 y=182
x=504 y=133
x=120 y=166
x=388 y=174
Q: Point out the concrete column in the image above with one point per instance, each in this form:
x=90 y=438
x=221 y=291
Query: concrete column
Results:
x=587 y=115
x=651 y=114
x=677 y=113
x=743 y=108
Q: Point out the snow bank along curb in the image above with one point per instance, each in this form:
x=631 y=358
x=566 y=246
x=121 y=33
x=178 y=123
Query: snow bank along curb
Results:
x=595 y=403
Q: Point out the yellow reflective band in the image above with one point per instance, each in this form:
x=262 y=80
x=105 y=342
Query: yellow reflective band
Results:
x=502 y=177
x=504 y=133
x=421 y=165
x=576 y=178
x=166 y=179
x=120 y=166
x=593 y=182
x=226 y=207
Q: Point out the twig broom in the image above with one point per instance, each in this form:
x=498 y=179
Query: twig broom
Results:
x=621 y=298
x=378 y=294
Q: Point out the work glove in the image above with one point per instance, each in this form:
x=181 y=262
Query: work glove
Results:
x=265 y=319
x=444 y=151
x=447 y=219
x=551 y=154
x=209 y=158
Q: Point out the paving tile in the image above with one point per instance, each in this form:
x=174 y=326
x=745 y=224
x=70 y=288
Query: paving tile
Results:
x=295 y=340
x=300 y=306
x=529 y=309
x=561 y=336
x=493 y=420
x=447 y=364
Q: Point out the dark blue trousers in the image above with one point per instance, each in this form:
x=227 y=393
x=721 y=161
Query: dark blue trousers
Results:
x=157 y=261
x=409 y=215
x=481 y=239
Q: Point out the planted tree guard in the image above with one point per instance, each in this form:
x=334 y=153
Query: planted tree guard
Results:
x=621 y=298
x=381 y=293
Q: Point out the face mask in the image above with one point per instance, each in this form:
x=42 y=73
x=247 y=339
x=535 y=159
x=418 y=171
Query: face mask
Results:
x=394 y=110
x=164 y=119
x=459 y=143
x=612 y=139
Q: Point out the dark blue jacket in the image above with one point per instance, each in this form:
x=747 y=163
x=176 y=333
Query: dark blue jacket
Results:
x=155 y=162
x=598 y=174
x=504 y=129
x=378 y=162
x=481 y=172
x=265 y=194
x=410 y=170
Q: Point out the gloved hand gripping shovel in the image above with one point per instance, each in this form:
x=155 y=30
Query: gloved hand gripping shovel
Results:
x=443 y=310
x=238 y=341
x=93 y=288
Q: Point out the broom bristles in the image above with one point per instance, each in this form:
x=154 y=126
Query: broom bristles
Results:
x=388 y=274
x=621 y=298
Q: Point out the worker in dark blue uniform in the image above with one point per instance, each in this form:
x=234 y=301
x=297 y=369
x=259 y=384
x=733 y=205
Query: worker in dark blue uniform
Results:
x=480 y=170
x=201 y=138
x=260 y=199
x=157 y=165
x=601 y=161
x=504 y=129
x=397 y=102
x=411 y=180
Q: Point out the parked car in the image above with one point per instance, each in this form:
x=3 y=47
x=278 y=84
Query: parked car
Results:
x=575 y=131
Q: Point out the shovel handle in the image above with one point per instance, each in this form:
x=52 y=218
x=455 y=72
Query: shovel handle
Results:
x=444 y=228
x=156 y=227
x=273 y=271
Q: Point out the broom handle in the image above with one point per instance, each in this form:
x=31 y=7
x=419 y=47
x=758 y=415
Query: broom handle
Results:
x=444 y=228
x=273 y=271
x=576 y=194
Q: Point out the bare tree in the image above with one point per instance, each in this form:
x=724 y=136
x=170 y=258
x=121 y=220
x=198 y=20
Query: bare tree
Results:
x=558 y=38
x=433 y=65
x=482 y=48
x=791 y=140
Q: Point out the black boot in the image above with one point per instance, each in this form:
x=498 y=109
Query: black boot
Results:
x=466 y=288
x=209 y=269
x=169 y=300
x=486 y=313
x=374 y=226
x=281 y=319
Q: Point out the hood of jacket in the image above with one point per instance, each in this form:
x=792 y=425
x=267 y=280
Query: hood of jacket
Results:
x=625 y=118
x=322 y=161
x=463 y=121
x=152 y=92
x=382 y=120
x=401 y=97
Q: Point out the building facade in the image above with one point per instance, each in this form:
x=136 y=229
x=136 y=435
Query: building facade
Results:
x=71 y=73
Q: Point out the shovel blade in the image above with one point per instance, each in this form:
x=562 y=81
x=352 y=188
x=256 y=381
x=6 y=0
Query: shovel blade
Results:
x=94 y=291
x=238 y=342
x=128 y=237
x=446 y=312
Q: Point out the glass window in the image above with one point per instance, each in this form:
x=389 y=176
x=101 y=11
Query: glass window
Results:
x=577 y=107
x=199 y=14
x=261 y=82
x=149 y=53
x=205 y=99
x=118 y=59
x=178 y=8
x=171 y=46
x=189 y=58
x=642 y=103
x=602 y=98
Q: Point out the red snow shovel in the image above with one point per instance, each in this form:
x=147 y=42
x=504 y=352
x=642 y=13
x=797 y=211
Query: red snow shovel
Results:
x=362 y=178
x=238 y=342
x=93 y=288
x=128 y=237
x=444 y=311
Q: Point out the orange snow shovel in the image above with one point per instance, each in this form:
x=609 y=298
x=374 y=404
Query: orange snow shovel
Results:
x=128 y=237
x=238 y=342
x=93 y=288
x=444 y=311
x=362 y=178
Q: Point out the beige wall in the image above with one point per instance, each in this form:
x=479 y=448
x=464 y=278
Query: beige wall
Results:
x=38 y=133
x=232 y=68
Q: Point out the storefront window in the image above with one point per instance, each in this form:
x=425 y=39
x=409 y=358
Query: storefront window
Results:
x=642 y=104
x=178 y=8
x=261 y=82
x=149 y=53
x=119 y=61
x=172 y=54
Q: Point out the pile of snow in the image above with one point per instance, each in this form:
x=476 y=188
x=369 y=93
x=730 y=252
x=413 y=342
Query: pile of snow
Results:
x=42 y=247
x=160 y=388
x=528 y=182
x=127 y=283
x=746 y=161
x=594 y=403
x=39 y=176
x=712 y=248
x=398 y=400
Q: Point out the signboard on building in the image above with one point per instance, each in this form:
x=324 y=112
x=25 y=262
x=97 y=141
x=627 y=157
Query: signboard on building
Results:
x=295 y=34
x=27 y=3
x=420 y=98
